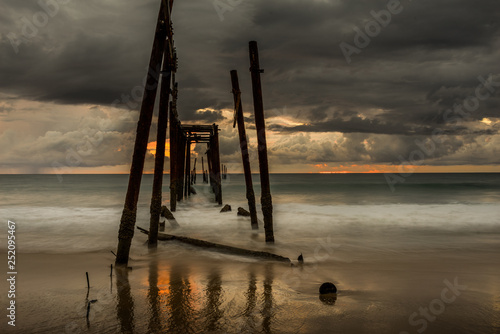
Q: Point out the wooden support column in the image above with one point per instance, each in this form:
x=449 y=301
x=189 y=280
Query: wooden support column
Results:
x=174 y=149
x=265 y=199
x=161 y=137
x=203 y=169
x=238 y=108
x=187 y=180
x=216 y=165
x=182 y=161
x=173 y=160
x=194 y=171
x=210 y=171
x=127 y=221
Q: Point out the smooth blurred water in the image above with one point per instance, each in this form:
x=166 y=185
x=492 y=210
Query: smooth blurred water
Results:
x=83 y=211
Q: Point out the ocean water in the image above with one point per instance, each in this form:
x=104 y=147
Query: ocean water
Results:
x=82 y=212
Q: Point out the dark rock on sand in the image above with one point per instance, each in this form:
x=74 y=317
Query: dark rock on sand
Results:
x=300 y=258
x=226 y=208
x=243 y=212
x=328 y=293
x=327 y=287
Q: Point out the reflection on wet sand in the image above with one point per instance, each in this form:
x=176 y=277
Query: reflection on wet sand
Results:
x=177 y=302
x=154 y=325
x=250 y=294
x=212 y=311
x=125 y=302
x=267 y=310
x=180 y=304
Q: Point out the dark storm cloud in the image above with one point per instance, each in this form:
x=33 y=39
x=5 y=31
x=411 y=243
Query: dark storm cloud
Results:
x=425 y=61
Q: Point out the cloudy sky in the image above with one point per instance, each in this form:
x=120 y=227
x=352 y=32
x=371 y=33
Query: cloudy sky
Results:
x=348 y=85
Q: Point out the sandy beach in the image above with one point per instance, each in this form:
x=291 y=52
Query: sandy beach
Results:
x=184 y=290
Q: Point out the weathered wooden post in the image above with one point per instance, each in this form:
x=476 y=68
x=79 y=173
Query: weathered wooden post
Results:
x=161 y=137
x=127 y=221
x=187 y=171
x=174 y=148
x=210 y=164
x=194 y=171
x=182 y=161
x=203 y=170
x=216 y=165
x=265 y=199
x=238 y=109
x=173 y=161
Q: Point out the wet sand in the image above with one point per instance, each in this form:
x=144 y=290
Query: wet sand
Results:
x=181 y=289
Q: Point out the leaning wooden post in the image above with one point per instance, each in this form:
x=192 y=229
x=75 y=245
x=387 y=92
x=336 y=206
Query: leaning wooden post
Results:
x=238 y=109
x=216 y=166
x=265 y=199
x=127 y=221
x=161 y=137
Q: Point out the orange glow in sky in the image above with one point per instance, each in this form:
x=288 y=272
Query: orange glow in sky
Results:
x=152 y=148
x=354 y=168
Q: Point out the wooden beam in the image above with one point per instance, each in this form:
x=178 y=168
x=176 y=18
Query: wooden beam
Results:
x=244 y=149
x=212 y=246
x=265 y=198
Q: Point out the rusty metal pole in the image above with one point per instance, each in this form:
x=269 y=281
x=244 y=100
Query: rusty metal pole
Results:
x=161 y=137
x=128 y=218
x=244 y=149
x=265 y=199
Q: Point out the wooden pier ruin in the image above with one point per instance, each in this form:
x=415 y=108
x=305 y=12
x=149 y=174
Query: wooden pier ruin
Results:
x=181 y=137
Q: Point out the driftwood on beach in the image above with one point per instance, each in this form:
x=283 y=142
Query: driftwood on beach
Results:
x=219 y=248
